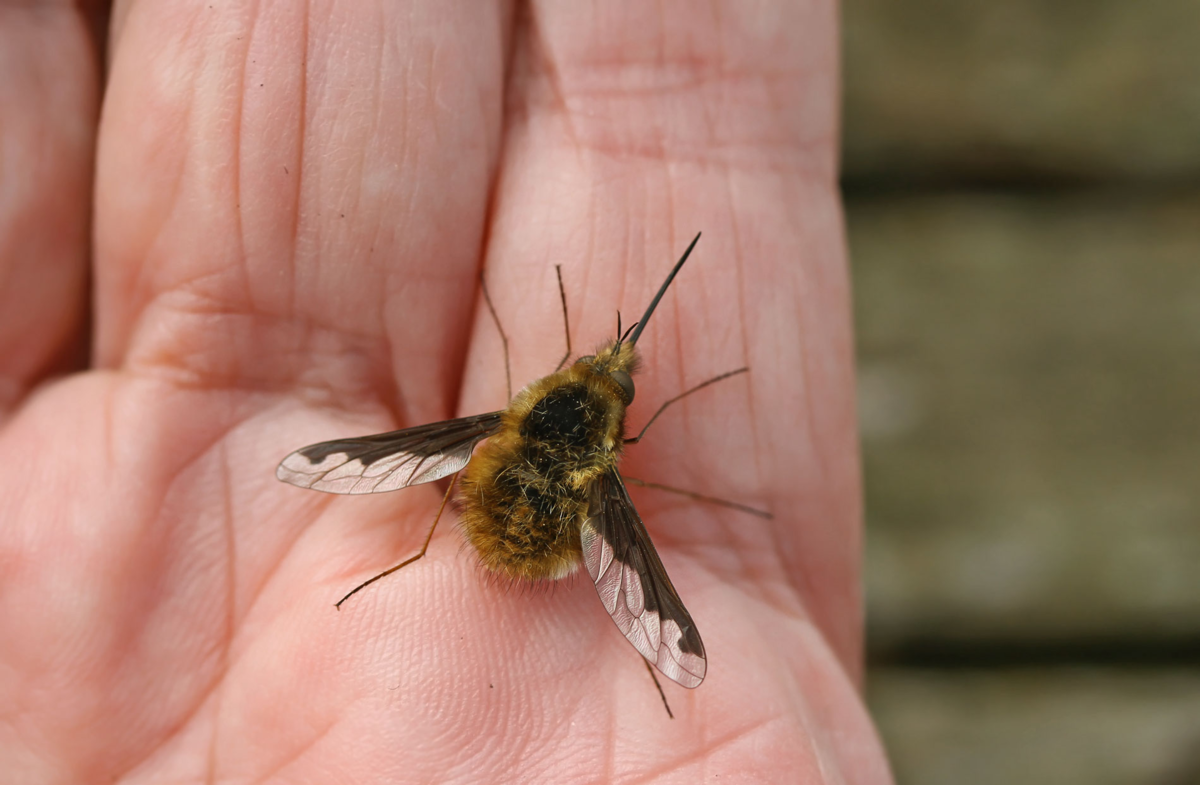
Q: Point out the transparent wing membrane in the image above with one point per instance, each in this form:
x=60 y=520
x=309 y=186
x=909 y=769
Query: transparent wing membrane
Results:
x=388 y=461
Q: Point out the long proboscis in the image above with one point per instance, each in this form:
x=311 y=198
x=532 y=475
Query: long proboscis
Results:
x=641 y=325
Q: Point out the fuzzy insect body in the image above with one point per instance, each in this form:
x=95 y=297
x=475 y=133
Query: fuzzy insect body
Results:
x=527 y=491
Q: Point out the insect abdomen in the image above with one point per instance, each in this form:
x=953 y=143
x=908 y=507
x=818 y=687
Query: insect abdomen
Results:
x=526 y=490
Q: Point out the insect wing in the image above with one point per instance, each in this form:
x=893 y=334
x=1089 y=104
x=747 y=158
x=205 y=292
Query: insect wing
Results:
x=634 y=587
x=388 y=461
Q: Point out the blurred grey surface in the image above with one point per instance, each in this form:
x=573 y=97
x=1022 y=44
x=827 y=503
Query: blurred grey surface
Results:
x=1030 y=401
x=1054 y=725
x=1023 y=205
x=1089 y=91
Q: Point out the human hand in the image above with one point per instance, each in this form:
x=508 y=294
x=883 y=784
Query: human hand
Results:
x=292 y=206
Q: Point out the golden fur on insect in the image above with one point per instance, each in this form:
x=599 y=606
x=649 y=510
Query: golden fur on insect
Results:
x=525 y=492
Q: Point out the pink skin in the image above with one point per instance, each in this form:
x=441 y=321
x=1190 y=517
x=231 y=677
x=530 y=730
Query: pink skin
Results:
x=292 y=206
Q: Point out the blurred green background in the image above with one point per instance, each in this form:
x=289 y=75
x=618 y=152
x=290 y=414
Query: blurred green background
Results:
x=1022 y=184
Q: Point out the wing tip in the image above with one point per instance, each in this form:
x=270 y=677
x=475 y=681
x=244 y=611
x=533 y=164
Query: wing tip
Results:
x=676 y=672
x=286 y=473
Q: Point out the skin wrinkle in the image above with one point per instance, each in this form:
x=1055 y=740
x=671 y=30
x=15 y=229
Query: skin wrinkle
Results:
x=395 y=285
x=810 y=739
x=312 y=513
x=376 y=88
x=350 y=200
x=391 y=550
x=198 y=305
x=682 y=77
x=394 y=400
x=610 y=748
x=754 y=583
x=756 y=450
x=299 y=163
x=295 y=756
x=108 y=414
x=589 y=252
x=719 y=24
x=139 y=288
x=217 y=444
x=393 y=289
x=221 y=650
x=238 y=144
x=681 y=153
x=747 y=350
x=751 y=157
x=813 y=730
x=190 y=287
x=710 y=110
x=706 y=752
x=705 y=733
x=185 y=721
x=231 y=628
x=431 y=95
x=540 y=54
x=140 y=282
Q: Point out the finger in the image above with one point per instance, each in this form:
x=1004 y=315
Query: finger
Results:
x=291 y=197
x=629 y=130
x=48 y=100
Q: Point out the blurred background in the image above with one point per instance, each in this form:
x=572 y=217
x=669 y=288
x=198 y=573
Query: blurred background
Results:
x=1022 y=183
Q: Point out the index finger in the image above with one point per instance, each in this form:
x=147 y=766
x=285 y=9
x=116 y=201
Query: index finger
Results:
x=632 y=127
x=291 y=198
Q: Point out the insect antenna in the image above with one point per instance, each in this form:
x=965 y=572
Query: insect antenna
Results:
x=641 y=325
x=622 y=336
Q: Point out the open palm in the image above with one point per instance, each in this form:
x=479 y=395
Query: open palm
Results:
x=292 y=207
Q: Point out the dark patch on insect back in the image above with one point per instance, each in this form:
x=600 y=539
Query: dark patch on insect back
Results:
x=544 y=505
x=564 y=416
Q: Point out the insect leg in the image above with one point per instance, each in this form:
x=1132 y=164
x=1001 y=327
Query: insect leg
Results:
x=562 y=295
x=713 y=380
x=699 y=497
x=661 y=694
x=487 y=298
x=410 y=560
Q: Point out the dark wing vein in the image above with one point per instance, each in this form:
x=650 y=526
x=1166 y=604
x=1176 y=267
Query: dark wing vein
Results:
x=388 y=461
x=634 y=586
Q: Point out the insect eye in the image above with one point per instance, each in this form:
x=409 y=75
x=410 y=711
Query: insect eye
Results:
x=591 y=358
x=626 y=383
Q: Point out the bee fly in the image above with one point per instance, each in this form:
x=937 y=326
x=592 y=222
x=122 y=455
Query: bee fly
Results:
x=543 y=491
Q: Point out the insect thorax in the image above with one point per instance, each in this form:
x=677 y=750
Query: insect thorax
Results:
x=526 y=491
